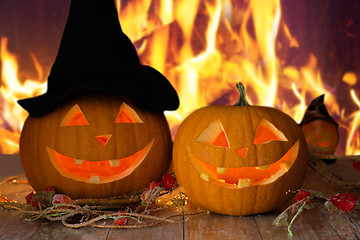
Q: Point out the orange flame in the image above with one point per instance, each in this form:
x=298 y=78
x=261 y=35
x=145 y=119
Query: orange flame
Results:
x=353 y=140
x=204 y=48
x=11 y=89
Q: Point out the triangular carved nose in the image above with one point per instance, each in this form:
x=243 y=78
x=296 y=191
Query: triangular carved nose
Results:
x=103 y=139
x=242 y=152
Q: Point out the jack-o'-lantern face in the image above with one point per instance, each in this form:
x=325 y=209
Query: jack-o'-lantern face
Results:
x=95 y=146
x=321 y=134
x=94 y=170
x=239 y=160
x=242 y=176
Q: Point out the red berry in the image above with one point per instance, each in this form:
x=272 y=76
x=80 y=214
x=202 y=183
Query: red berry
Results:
x=35 y=204
x=303 y=195
x=168 y=182
x=61 y=198
x=29 y=197
x=122 y=220
x=346 y=202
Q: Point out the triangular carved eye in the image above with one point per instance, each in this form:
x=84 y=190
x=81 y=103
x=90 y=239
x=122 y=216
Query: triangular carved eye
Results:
x=214 y=134
x=74 y=117
x=127 y=115
x=267 y=132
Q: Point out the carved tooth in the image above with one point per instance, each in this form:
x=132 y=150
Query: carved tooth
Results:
x=205 y=177
x=114 y=163
x=263 y=167
x=78 y=161
x=95 y=179
x=243 y=182
x=220 y=170
x=285 y=165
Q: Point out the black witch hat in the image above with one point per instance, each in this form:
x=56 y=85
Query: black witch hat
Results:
x=96 y=56
x=317 y=110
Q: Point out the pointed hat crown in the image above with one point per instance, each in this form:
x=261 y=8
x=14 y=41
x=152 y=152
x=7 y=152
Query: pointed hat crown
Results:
x=96 y=56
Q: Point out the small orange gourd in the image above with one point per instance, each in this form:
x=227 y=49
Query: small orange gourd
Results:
x=239 y=160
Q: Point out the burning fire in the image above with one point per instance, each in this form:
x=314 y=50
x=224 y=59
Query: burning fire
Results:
x=204 y=48
x=11 y=89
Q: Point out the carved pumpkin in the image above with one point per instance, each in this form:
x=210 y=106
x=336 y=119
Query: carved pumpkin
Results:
x=320 y=129
x=95 y=146
x=239 y=160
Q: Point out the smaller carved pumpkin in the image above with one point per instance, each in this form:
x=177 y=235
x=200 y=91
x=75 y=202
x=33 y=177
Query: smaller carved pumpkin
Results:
x=239 y=160
x=95 y=146
x=320 y=129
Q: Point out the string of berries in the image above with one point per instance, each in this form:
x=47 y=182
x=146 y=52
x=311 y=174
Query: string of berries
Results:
x=59 y=207
x=48 y=199
x=308 y=199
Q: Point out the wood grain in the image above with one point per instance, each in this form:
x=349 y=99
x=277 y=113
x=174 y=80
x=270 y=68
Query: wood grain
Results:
x=14 y=226
x=309 y=225
x=55 y=230
x=162 y=231
x=215 y=226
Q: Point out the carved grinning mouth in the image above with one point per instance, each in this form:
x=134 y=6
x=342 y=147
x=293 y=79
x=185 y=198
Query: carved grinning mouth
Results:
x=237 y=178
x=100 y=171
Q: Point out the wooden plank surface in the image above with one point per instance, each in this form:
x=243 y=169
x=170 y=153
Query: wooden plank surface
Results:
x=55 y=230
x=311 y=224
x=215 y=226
x=14 y=226
x=168 y=231
x=347 y=226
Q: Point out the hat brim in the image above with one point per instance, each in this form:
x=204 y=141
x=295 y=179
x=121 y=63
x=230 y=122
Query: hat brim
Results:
x=148 y=89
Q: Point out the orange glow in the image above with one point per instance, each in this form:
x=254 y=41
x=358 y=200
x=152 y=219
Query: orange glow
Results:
x=321 y=134
x=221 y=140
x=214 y=134
x=242 y=152
x=350 y=78
x=235 y=177
x=99 y=171
x=74 y=117
x=204 y=48
x=127 y=115
x=103 y=139
x=267 y=132
x=123 y=118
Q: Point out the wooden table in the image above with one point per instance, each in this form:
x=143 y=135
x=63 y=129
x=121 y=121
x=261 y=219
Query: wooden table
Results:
x=311 y=224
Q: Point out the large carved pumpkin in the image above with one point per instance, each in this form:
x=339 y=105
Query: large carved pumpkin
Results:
x=95 y=146
x=239 y=160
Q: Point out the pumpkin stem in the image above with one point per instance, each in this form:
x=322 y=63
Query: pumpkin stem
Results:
x=242 y=97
